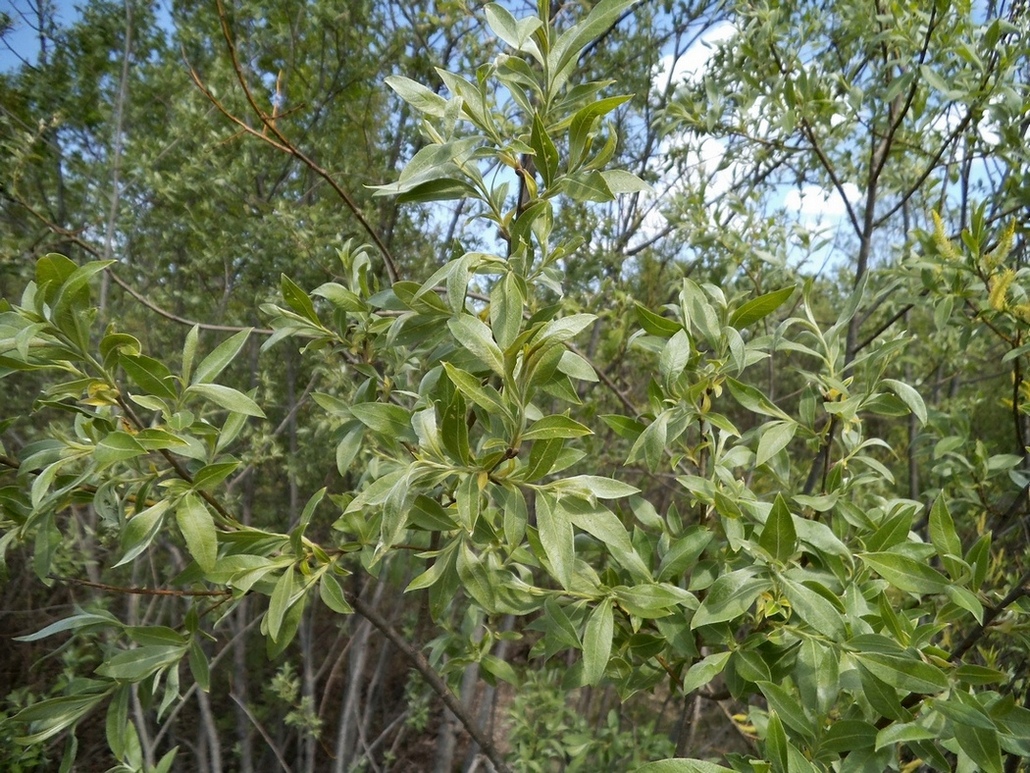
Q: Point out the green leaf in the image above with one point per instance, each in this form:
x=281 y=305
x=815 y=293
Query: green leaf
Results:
x=779 y=537
x=297 y=299
x=754 y=400
x=588 y=186
x=652 y=600
x=53 y=715
x=561 y=330
x=815 y=610
x=198 y=529
x=472 y=388
x=959 y=711
x=981 y=745
x=730 y=597
x=514 y=33
x=499 y=669
x=556 y=537
x=117 y=447
x=220 y=357
x=474 y=334
x=332 y=594
x=776 y=744
x=118 y=721
x=283 y=597
x=444 y=563
x=908 y=673
x=597 y=642
x=704 y=671
x=151 y=376
x=506 y=304
x=545 y=151
x=881 y=696
x=387 y=419
x=788 y=707
x=137 y=664
x=758 y=308
x=228 y=398
x=475 y=578
x=601 y=523
x=655 y=324
x=556 y=427
x=620 y=181
x=141 y=530
x=682 y=765
x=967 y=600
x=846 y=735
x=980 y=675
x=817 y=674
x=567 y=48
x=905 y=573
x=909 y=397
x=210 y=475
x=902 y=732
x=652 y=442
x=600 y=487
x=582 y=126
x=942 y=529
x=423 y=99
x=674 y=357
x=574 y=366
x=542 y=457
x=775 y=436
x=73 y=623
x=199 y=665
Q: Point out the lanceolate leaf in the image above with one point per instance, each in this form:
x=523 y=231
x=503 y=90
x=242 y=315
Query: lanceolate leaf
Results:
x=815 y=610
x=387 y=419
x=219 y=359
x=909 y=396
x=905 y=573
x=904 y=672
x=759 y=308
x=779 y=537
x=597 y=642
x=198 y=529
x=556 y=537
x=475 y=335
x=228 y=398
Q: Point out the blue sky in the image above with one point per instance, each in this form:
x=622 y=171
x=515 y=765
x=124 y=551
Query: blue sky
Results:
x=22 y=41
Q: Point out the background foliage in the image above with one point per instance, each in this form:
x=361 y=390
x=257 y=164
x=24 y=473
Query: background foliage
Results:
x=493 y=385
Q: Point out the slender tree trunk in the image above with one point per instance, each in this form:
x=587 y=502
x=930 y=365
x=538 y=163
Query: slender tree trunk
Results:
x=241 y=687
x=210 y=728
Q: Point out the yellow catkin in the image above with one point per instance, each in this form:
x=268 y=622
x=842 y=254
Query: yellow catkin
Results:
x=1022 y=312
x=997 y=256
x=944 y=244
x=1000 y=284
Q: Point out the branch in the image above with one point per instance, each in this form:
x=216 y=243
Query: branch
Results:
x=274 y=137
x=141 y=591
x=990 y=615
x=433 y=679
x=175 y=317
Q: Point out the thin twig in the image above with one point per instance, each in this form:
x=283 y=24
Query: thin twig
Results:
x=264 y=733
x=134 y=591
